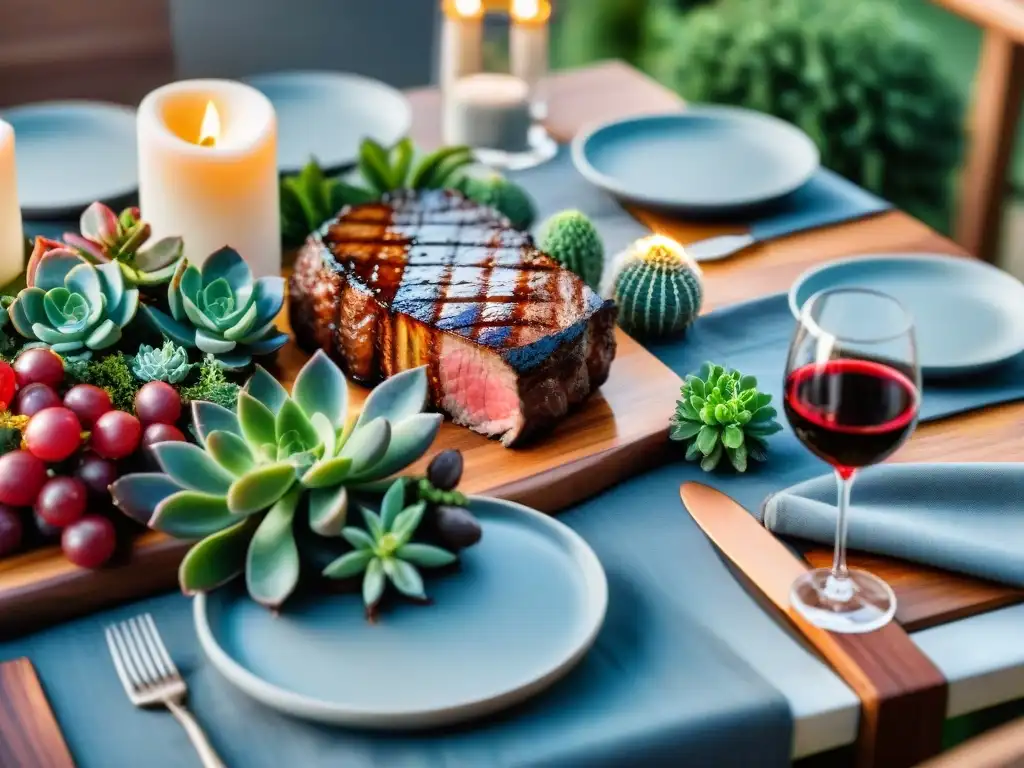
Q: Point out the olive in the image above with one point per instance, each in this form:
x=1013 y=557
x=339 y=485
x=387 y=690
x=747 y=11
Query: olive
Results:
x=456 y=527
x=445 y=470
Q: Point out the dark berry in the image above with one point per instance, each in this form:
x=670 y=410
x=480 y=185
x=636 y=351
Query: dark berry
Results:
x=62 y=501
x=158 y=403
x=115 y=434
x=33 y=398
x=11 y=530
x=53 y=434
x=46 y=531
x=97 y=473
x=21 y=477
x=39 y=366
x=89 y=542
x=445 y=471
x=88 y=403
x=456 y=527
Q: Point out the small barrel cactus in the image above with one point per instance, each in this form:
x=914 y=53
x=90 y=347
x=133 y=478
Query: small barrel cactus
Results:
x=572 y=240
x=239 y=489
x=221 y=310
x=506 y=197
x=108 y=237
x=659 y=289
x=167 y=363
x=721 y=413
x=71 y=305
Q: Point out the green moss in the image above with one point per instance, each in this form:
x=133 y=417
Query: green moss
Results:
x=212 y=385
x=111 y=373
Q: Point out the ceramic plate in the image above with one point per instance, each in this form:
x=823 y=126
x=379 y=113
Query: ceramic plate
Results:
x=327 y=114
x=968 y=315
x=705 y=161
x=525 y=607
x=70 y=153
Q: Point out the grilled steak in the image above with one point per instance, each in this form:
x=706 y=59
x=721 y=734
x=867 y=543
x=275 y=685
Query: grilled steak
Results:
x=511 y=339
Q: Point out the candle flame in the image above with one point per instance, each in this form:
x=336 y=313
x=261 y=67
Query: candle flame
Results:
x=209 y=132
x=468 y=7
x=529 y=10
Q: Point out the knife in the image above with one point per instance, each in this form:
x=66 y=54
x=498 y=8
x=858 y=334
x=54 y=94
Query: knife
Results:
x=903 y=695
x=720 y=247
x=29 y=734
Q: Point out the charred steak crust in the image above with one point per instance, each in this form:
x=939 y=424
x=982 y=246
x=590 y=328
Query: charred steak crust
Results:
x=512 y=340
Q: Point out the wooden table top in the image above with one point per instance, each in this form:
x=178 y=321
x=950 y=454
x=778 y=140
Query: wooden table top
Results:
x=613 y=90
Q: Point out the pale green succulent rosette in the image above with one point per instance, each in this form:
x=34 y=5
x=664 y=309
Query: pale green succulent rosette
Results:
x=72 y=306
x=239 y=489
x=167 y=363
x=221 y=310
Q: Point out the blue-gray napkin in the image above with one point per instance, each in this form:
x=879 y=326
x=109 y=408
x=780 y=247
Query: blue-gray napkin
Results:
x=959 y=517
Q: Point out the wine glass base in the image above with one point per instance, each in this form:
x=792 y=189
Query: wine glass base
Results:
x=871 y=603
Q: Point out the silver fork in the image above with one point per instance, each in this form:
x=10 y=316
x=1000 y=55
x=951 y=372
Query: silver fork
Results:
x=150 y=678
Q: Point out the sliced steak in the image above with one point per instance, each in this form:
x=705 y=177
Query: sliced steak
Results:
x=511 y=339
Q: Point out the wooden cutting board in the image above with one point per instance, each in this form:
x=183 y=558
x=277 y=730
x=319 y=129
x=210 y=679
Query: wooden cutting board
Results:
x=621 y=430
x=29 y=734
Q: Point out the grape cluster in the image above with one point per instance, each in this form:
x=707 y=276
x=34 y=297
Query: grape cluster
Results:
x=73 y=446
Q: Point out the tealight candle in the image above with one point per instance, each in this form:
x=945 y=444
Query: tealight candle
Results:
x=12 y=240
x=528 y=43
x=488 y=111
x=208 y=170
x=462 y=40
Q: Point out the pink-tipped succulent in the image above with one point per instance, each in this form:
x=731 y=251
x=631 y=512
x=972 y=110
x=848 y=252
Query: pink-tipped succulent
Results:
x=107 y=237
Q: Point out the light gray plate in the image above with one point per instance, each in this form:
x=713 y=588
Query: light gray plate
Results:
x=704 y=161
x=523 y=609
x=325 y=115
x=71 y=153
x=968 y=315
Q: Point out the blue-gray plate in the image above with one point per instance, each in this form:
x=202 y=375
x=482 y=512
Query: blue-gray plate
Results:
x=325 y=115
x=704 y=161
x=968 y=315
x=525 y=606
x=71 y=153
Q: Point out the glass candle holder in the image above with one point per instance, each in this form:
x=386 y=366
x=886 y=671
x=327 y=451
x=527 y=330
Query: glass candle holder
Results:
x=494 y=103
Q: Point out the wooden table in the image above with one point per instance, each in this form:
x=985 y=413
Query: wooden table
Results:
x=982 y=657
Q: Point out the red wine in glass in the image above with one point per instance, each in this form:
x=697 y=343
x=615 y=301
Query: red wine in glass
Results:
x=851 y=412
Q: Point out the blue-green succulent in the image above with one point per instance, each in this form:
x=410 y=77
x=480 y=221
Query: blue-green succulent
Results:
x=221 y=310
x=71 y=305
x=166 y=363
x=658 y=288
x=239 y=489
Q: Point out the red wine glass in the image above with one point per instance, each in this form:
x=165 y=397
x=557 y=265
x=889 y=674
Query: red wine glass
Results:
x=851 y=394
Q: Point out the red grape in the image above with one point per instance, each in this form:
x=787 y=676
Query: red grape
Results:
x=33 y=398
x=11 y=530
x=53 y=434
x=88 y=403
x=97 y=473
x=39 y=365
x=21 y=477
x=62 y=501
x=158 y=403
x=47 y=531
x=115 y=434
x=7 y=385
x=89 y=542
x=161 y=433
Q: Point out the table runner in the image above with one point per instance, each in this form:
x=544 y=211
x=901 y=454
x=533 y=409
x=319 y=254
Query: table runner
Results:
x=678 y=672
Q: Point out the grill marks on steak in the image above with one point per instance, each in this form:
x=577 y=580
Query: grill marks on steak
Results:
x=511 y=339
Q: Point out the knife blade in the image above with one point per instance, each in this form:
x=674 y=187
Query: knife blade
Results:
x=902 y=693
x=720 y=247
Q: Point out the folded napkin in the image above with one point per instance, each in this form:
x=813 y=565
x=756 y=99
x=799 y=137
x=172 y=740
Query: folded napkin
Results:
x=967 y=518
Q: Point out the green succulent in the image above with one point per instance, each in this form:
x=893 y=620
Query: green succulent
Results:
x=426 y=491
x=506 y=197
x=239 y=489
x=384 y=551
x=71 y=305
x=221 y=310
x=309 y=198
x=572 y=240
x=721 y=413
x=657 y=287
x=385 y=171
x=8 y=343
x=167 y=363
x=107 y=237
x=867 y=87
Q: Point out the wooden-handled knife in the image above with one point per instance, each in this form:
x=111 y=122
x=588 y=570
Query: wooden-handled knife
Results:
x=29 y=734
x=903 y=695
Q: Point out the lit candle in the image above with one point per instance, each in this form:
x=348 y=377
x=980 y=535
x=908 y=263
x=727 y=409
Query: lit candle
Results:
x=208 y=170
x=488 y=111
x=12 y=240
x=462 y=40
x=528 y=42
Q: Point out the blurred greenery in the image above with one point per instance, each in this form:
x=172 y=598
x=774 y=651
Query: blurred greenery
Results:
x=864 y=79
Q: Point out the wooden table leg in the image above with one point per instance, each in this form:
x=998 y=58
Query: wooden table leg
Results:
x=999 y=90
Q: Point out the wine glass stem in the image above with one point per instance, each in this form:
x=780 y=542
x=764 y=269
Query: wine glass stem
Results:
x=839 y=587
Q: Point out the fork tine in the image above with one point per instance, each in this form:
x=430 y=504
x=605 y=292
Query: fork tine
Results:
x=122 y=661
x=133 y=652
x=153 y=651
x=145 y=655
x=147 y=620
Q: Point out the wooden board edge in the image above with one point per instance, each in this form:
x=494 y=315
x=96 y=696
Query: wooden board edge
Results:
x=29 y=733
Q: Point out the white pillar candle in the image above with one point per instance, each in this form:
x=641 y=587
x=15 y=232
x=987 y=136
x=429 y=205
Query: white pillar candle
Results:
x=488 y=111
x=528 y=42
x=208 y=170
x=462 y=40
x=12 y=239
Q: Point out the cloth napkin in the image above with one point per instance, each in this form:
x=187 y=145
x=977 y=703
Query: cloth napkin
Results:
x=967 y=518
